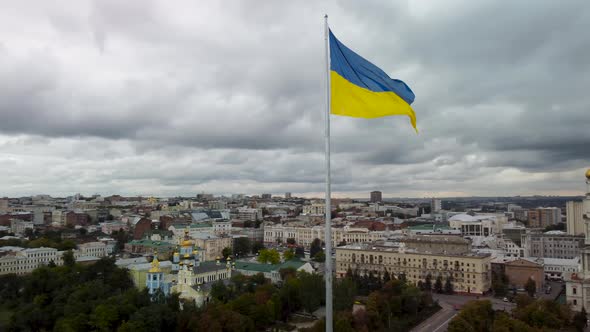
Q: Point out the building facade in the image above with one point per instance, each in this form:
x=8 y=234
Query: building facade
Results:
x=520 y=270
x=26 y=260
x=314 y=209
x=435 y=205
x=543 y=217
x=469 y=272
x=376 y=196
x=479 y=224
x=212 y=245
x=305 y=235
x=552 y=244
x=578 y=284
x=574 y=220
x=249 y=214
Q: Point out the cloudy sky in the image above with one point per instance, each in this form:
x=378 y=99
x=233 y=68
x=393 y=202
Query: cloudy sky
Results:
x=182 y=97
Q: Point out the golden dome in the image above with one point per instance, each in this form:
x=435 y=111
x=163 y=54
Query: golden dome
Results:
x=181 y=263
x=187 y=256
x=588 y=174
x=155 y=266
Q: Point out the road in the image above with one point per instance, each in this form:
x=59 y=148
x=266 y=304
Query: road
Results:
x=439 y=321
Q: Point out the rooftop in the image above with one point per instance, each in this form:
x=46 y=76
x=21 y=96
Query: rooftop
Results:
x=266 y=268
x=389 y=248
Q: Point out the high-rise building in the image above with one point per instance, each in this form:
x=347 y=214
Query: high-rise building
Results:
x=543 y=217
x=376 y=196
x=575 y=221
x=3 y=205
x=435 y=205
x=266 y=196
x=287 y=195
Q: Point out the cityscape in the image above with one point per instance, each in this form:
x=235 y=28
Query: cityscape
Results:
x=283 y=166
x=199 y=247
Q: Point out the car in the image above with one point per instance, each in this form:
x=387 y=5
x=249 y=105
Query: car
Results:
x=505 y=299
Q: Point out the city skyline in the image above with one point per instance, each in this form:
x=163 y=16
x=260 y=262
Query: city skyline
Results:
x=139 y=97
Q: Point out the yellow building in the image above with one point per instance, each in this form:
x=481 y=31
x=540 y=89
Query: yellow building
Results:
x=470 y=272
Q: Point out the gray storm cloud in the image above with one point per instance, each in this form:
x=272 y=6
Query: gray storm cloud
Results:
x=149 y=97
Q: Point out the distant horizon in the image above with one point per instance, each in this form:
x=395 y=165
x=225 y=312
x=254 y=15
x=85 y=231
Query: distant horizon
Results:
x=294 y=195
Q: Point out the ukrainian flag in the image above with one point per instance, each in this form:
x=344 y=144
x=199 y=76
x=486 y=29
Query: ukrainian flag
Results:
x=360 y=89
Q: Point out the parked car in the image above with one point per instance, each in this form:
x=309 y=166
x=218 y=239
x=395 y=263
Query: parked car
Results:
x=505 y=299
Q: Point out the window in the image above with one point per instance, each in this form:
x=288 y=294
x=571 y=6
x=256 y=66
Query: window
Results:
x=574 y=290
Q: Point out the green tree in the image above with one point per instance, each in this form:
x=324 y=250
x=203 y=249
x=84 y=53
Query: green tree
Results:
x=344 y=293
x=474 y=316
x=449 y=289
x=288 y=255
x=226 y=252
x=287 y=273
x=315 y=247
x=319 y=257
x=386 y=276
x=438 y=285
x=530 y=287
x=580 y=320
x=68 y=258
x=242 y=246
x=300 y=252
x=428 y=282
x=291 y=241
x=311 y=290
x=220 y=292
x=256 y=247
x=269 y=256
x=500 y=283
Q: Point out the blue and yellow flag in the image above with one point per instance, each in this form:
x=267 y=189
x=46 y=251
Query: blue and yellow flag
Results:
x=360 y=89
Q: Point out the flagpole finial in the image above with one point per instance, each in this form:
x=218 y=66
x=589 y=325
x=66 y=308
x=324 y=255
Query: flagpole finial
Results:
x=325 y=15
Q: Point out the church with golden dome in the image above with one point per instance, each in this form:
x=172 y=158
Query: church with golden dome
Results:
x=190 y=275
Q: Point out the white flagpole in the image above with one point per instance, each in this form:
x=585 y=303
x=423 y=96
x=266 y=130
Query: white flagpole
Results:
x=328 y=233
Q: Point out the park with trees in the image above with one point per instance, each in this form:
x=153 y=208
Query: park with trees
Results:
x=102 y=297
x=530 y=315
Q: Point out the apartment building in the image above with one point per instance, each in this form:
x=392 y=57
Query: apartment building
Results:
x=552 y=244
x=470 y=272
x=305 y=235
x=212 y=245
x=543 y=217
x=26 y=260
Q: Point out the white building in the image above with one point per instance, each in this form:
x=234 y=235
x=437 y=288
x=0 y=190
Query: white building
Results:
x=435 y=205
x=305 y=235
x=578 y=284
x=479 y=224
x=222 y=227
x=19 y=226
x=314 y=209
x=96 y=249
x=575 y=222
x=26 y=260
x=561 y=268
x=245 y=213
